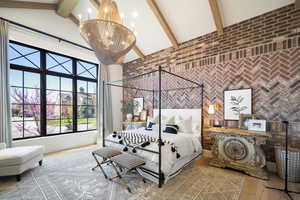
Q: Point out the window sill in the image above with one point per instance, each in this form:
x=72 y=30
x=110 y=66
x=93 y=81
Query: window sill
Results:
x=58 y=134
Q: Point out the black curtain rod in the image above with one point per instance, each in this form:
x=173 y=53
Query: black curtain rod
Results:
x=44 y=33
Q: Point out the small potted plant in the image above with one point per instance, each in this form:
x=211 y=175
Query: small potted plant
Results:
x=128 y=107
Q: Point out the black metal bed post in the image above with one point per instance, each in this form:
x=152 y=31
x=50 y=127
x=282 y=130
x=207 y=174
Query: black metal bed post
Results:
x=153 y=99
x=160 y=180
x=202 y=103
x=103 y=113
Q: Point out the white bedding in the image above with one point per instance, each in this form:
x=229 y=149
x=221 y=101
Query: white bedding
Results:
x=187 y=144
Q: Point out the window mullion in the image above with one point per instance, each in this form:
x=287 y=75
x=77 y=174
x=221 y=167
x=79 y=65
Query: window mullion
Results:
x=23 y=107
x=74 y=65
x=43 y=119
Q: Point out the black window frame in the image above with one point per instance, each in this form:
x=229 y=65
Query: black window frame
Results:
x=43 y=88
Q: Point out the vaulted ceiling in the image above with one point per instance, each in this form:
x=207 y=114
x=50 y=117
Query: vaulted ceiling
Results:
x=160 y=24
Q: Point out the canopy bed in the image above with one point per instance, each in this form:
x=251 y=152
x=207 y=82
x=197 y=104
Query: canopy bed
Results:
x=176 y=104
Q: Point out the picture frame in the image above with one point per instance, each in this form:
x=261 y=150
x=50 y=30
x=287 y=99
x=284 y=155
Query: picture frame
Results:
x=257 y=125
x=143 y=115
x=236 y=102
x=138 y=105
x=136 y=118
x=244 y=119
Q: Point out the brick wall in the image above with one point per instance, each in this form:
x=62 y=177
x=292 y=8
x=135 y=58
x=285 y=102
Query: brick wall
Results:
x=262 y=53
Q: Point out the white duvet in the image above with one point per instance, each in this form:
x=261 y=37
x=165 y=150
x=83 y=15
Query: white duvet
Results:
x=186 y=145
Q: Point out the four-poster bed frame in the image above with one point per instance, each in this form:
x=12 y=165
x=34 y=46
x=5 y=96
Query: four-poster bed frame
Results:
x=159 y=175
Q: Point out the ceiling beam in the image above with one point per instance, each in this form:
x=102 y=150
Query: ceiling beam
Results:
x=96 y=4
x=297 y=4
x=74 y=19
x=65 y=7
x=138 y=52
x=216 y=15
x=152 y=4
x=27 y=5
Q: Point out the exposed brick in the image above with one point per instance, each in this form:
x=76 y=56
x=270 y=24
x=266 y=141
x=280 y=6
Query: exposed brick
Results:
x=261 y=53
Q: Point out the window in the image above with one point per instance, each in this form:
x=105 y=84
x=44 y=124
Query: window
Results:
x=87 y=70
x=58 y=63
x=23 y=56
x=50 y=93
x=25 y=98
x=59 y=104
x=86 y=101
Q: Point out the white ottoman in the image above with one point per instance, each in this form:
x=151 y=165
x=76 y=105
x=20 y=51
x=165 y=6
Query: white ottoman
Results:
x=14 y=161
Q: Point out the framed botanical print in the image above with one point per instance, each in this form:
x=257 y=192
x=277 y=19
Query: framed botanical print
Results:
x=237 y=102
x=138 y=106
x=143 y=115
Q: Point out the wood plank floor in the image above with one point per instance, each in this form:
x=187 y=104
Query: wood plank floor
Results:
x=253 y=188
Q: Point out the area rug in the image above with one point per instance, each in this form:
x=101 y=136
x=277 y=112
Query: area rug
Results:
x=68 y=176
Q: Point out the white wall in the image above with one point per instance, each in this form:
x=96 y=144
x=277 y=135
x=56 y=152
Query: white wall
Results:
x=49 y=22
x=116 y=73
x=60 y=142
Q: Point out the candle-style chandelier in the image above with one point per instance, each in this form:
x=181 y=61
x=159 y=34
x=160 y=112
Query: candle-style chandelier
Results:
x=106 y=35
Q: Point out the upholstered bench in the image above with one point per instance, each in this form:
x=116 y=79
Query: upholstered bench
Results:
x=14 y=161
x=105 y=153
x=128 y=162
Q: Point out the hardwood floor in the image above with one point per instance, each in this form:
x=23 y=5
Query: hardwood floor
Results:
x=253 y=188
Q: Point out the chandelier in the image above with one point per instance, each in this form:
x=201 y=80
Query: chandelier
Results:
x=110 y=40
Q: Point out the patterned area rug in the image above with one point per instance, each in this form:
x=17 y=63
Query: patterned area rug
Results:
x=68 y=176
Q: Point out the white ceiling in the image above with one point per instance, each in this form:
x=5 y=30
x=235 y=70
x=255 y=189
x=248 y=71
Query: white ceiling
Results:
x=187 y=19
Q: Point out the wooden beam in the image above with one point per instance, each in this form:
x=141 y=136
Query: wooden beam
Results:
x=74 y=19
x=95 y=3
x=65 y=7
x=27 y=5
x=152 y=4
x=138 y=52
x=297 y=4
x=216 y=15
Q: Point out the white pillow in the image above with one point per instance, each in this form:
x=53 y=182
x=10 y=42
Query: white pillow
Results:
x=149 y=119
x=185 y=125
x=156 y=127
x=171 y=121
x=163 y=119
x=196 y=128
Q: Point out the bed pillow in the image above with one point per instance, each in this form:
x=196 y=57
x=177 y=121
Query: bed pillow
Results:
x=171 y=128
x=149 y=119
x=196 y=128
x=156 y=127
x=149 y=126
x=171 y=120
x=163 y=119
x=185 y=125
